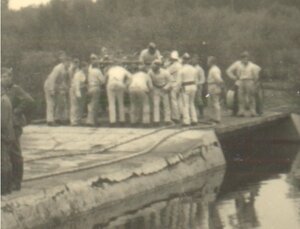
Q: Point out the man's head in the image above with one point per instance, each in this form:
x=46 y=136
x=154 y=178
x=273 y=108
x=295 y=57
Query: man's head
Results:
x=195 y=60
x=186 y=58
x=211 y=60
x=84 y=66
x=93 y=58
x=6 y=77
x=152 y=47
x=245 y=57
x=174 y=56
x=156 y=64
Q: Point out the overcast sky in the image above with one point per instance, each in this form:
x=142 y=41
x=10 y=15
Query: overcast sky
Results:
x=17 y=4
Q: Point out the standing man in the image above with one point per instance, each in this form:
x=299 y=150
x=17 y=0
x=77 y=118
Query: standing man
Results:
x=95 y=80
x=245 y=74
x=140 y=86
x=214 y=83
x=78 y=92
x=162 y=81
x=117 y=82
x=7 y=139
x=22 y=105
x=56 y=89
x=201 y=81
x=176 y=97
x=188 y=76
x=148 y=55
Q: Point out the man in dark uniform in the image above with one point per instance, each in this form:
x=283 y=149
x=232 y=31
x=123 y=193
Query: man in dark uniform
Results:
x=22 y=105
x=7 y=137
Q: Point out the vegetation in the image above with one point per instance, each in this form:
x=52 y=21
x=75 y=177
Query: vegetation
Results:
x=269 y=29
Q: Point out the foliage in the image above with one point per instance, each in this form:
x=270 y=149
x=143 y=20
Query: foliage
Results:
x=269 y=29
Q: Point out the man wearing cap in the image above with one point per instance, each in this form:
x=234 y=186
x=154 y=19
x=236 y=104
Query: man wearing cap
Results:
x=245 y=74
x=201 y=81
x=95 y=80
x=117 y=83
x=140 y=86
x=162 y=83
x=176 y=98
x=78 y=92
x=188 y=76
x=56 y=89
x=148 y=55
x=22 y=105
x=214 y=83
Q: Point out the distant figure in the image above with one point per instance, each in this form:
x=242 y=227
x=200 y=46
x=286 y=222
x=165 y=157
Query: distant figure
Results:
x=117 y=83
x=56 y=89
x=189 y=80
x=7 y=139
x=140 y=87
x=201 y=80
x=245 y=74
x=78 y=92
x=95 y=80
x=22 y=105
x=175 y=94
x=162 y=81
x=148 y=55
x=215 y=83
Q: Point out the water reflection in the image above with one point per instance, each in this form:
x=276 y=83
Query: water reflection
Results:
x=255 y=192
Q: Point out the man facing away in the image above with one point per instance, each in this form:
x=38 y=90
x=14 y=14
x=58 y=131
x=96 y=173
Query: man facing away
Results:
x=78 y=92
x=140 y=87
x=148 y=55
x=22 y=105
x=56 y=89
x=162 y=81
x=175 y=93
x=189 y=80
x=95 y=80
x=117 y=82
x=245 y=74
x=214 y=83
x=201 y=81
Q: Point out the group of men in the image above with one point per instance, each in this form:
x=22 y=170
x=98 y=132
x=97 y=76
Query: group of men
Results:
x=16 y=107
x=155 y=87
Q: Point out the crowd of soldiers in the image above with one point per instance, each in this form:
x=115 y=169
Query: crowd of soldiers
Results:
x=171 y=87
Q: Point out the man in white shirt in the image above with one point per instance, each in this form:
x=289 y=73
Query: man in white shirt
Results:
x=56 y=92
x=161 y=80
x=188 y=77
x=201 y=80
x=117 y=82
x=140 y=87
x=175 y=94
x=95 y=80
x=148 y=55
x=245 y=74
x=78 y=92
x=214 y=83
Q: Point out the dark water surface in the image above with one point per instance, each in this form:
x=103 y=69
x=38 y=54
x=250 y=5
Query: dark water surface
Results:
x=260 y=188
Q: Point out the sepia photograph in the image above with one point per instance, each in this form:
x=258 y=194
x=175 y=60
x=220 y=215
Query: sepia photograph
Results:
x=150 y=114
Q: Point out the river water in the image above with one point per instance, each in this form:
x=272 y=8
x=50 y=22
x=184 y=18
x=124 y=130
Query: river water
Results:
x=259 y=188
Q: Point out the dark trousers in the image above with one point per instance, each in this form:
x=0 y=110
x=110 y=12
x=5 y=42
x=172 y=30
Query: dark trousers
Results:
x=6 y=169
x=235 y=108
x=16 y=158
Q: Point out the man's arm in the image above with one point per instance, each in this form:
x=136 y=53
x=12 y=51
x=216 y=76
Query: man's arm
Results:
x=26 y=102
x=231 y=71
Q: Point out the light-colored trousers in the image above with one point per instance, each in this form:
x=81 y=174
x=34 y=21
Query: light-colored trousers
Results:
x=93 y=105
x=246 y=97
x=50 y=105
x=214 y=106
x=189 y=110
x=139 y=106
x=116 y=95
x=158 y=95
x=62 y=106
x=176 y=103
x=76 y=107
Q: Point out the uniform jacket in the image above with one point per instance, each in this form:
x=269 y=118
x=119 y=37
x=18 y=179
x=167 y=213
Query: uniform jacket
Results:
x=161 y=79
x=140 y=81
x=147 y=58
x=117 y=77
x=58 y=79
